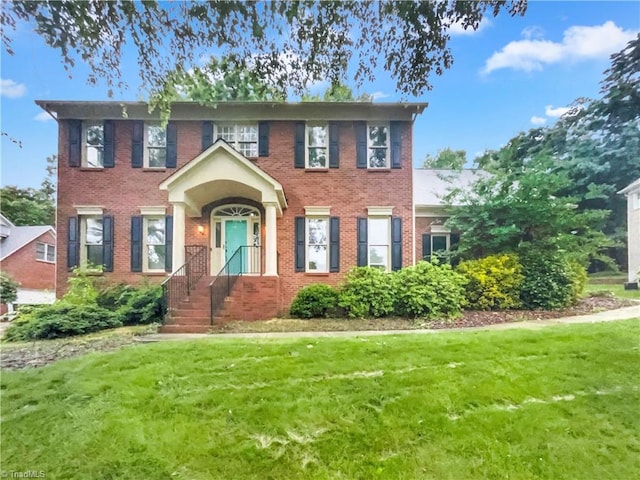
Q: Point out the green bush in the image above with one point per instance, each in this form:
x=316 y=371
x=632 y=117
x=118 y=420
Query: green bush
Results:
x=428 y=290
x=141 y=305
x=60 y=320
x=8 y=288
x=367 y=292
x=548 y=281
x=493 y=282
x=82 y=287
x=315 y=301
x=578 y=280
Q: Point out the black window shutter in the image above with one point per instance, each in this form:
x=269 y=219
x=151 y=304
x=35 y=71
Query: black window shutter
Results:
x=168 y=236
x=361 y=145
x=300 y=237
x=396 y=144
x=334 y=244
x=136 y=244
x=263 y=139
x=172 y=145
x=334 y=145
x=207 y=134
x=108 y=154
x=75 y=142
x=426 y=247
x=137 y=144
x=454 y=240
x=396 y=243
x=73 y=244
x=362 y=242
x=107 y=243
x=299 y=145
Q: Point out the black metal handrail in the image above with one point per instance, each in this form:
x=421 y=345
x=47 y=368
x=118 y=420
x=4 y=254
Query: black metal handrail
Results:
x=180 y=283
x=245 y=260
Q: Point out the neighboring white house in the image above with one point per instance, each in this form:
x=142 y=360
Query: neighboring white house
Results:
x=632 y=192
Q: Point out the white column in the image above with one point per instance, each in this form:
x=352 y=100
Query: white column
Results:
x=271 y=241
x=178 y=234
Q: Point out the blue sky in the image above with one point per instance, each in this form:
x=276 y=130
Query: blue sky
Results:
x=512 y=74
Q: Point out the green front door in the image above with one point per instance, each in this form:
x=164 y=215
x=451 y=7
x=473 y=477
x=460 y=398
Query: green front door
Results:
x=235 y=236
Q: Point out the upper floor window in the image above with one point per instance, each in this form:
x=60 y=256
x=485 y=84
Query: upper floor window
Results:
x=244 y=138
x=378 y=146
x=45 y=252
x=93 y=143
x=379 y=240
x=317 y=143
x=156 y=146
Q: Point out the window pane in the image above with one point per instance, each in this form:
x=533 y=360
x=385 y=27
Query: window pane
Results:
x=95 y=135
x=94 y=232
x=378 y=231
x=249 y=149
x=378 y=256
x=155 y=231
x=256 y=234
x=316 y=136
x=94 y=157
x=156 y=257
x=317 y=258
x=247 y=133
x=378 y=136
x=227 y=133
x=40 y=248
x=157 y=157
x=51 y=253
x=317 y=231
x=94 y=254
x=439 y=243
x=377 y=157
x=317 y=158
x=156 y=136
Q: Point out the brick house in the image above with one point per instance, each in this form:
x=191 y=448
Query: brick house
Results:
x=28 y=255
x=632 y=192
x=299 y=192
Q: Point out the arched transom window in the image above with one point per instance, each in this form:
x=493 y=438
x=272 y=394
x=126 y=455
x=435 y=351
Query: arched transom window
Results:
x=236 y=211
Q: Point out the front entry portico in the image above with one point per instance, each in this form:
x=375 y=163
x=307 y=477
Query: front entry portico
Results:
x=219 y=173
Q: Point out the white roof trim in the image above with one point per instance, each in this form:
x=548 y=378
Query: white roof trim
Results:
x=631 y=188
x=317 y=211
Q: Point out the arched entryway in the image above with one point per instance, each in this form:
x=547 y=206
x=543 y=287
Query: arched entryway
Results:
x=236 y=227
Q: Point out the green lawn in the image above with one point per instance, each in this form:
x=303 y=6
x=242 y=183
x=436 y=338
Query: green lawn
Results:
x=560 y=402
x=612 y=289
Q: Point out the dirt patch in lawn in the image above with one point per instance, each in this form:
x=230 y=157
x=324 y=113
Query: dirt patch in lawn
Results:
x=468 y=319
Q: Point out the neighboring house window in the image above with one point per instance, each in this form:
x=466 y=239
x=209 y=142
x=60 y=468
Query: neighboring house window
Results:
x=45 y=252
x=156 y=146
x=378 y=146
x=91 y=252
x=244 y=138
x=317 y=244
x=154 y=244
x=93 y=145
x=379 y=240
x=317 y=143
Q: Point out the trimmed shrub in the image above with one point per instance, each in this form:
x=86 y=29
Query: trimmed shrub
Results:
x=493 y=282
x=578 y=280
x=429 y=290
x=60 y=320
x=548 y=281
x=315 y=301
x=141 y=305
x=367 y=292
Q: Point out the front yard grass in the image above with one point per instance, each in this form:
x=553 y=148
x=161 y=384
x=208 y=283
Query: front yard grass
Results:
x=616 y=290
x=561 y=402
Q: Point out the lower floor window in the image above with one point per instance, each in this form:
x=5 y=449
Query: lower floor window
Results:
x=317 y=246
x=154 y=243
x=45 y=252
x=379 y=240
x=91 y=235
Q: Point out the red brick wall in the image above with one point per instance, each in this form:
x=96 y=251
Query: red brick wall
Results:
x=348 y=190
x=31 y=273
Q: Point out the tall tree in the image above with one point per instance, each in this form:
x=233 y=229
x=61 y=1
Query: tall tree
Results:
x=447 y=159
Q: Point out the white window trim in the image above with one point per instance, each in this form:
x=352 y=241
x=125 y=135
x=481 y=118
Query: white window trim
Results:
x=447 y=236
x=440 y=229
x=83 y=238
x=317 y=211
x=379 y=211
x=145 y=150
x=145 y=244
x=84 y=160
x=47 y=247
x=89 y=210
x=157 y=211
x=306 y=243
x=388 y=244
x=236 y=143
x=387 y=161
x=307 y=146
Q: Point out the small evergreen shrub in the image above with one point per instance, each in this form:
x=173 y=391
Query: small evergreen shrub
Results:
x=548 y=281
x=315 y=301
x=60 y=320
x=429 y=290
x=578 y=280
x=141 y=305
x=8 y=288
x=82 y=287
x=493 y=282
x=367 y=292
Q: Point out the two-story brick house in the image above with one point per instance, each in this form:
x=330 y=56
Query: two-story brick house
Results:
x=308 y=190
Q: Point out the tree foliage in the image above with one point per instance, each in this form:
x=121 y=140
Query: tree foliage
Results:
x=446 y=159
x=290 y=43
x=8 y=288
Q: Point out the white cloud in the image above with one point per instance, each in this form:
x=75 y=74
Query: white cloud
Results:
x=379 y=95
x=538 y=120
x=458 y=29
x=532 y=32
x=578 y=43
x=43 y=117
x=11 y=89
x=557 y=112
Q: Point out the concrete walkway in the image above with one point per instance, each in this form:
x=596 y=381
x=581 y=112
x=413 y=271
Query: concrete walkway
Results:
x=606 y=316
